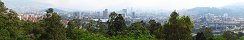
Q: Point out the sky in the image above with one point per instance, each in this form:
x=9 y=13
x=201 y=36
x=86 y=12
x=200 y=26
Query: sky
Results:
x=126 y=4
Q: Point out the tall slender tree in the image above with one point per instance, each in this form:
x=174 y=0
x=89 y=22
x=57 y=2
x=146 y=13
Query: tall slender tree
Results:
x=90 y=26
x=207 y=32
x=54 y=28
x=70 y=27
x=177 y=28
x=116 y=24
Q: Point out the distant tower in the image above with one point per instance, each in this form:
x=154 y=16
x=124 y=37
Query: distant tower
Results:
x=133 y=15
x=76 y=15
x=99 y=15
x=225 y=15
x=124 y=12
x=105 y=14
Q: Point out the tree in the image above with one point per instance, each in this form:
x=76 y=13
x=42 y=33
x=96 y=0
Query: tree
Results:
x=153 y=26
x=200 y=36
x=116 y=24
x=72 y=24
x=74 y=33
x=90 y=26
x=228 y=35
x=101 y=27
x=120 y=23
x=2 y=7
x=177 y=28
x=111 y=24
x=138 y=26
x=70 y=27
x=10 y=26
x=207 y=32
x=5 y=34
x=54 y=28
x=137 y=31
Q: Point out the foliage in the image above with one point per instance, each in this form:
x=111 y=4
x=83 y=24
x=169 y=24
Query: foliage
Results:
x=5 y=34
x=219 y=38
x=207 y=32
x=11 y=27
x=200 y=36
x=53 y=27
x=241 y=38
x=116 y=24
x=153 y=26
x=177 y=28
x=138 y=26
x=85 y=35
x=101 y=27
x=135 y=35
x=228 y=35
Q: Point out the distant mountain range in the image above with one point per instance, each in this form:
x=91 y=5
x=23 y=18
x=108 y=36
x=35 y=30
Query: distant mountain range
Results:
x=55 y=9
x=231 y=10
x=25 y=5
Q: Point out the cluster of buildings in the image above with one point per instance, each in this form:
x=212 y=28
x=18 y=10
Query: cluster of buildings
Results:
x=30 y=17
x=219 y=23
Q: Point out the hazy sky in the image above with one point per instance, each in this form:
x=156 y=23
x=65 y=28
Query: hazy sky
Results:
x=141 y=4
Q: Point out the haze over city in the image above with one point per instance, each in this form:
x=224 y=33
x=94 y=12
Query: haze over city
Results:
x=120 y=4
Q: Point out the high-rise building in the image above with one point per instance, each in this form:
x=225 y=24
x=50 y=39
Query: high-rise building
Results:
x=76 y=15
x=105 y=14
x=133 y=15
x=124 y=12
